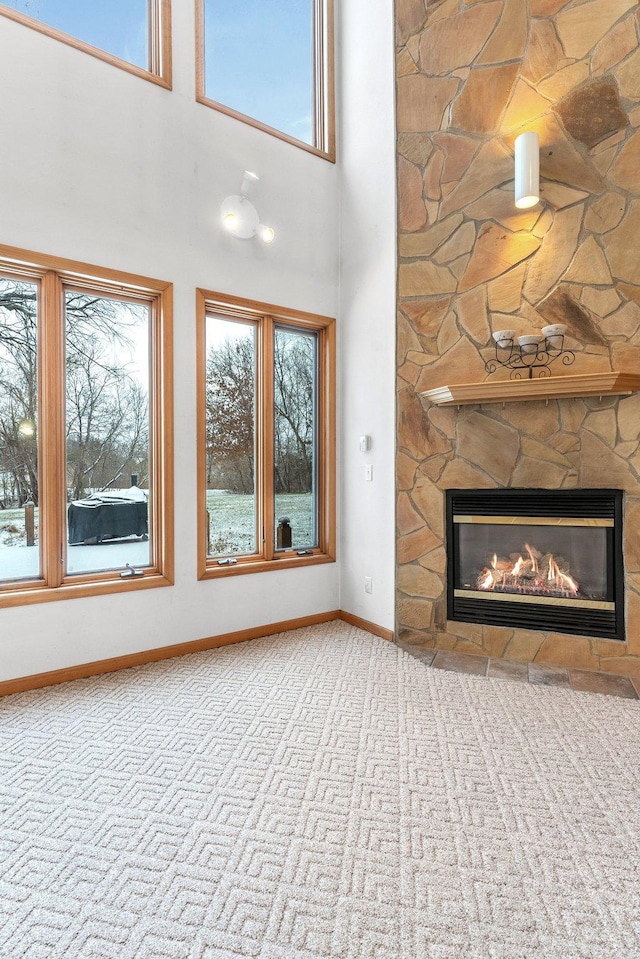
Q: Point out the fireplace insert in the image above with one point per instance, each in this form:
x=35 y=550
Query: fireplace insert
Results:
x=537 y=559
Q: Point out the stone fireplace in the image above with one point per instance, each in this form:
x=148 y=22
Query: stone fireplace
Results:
x=536 y=559
x=471 y=76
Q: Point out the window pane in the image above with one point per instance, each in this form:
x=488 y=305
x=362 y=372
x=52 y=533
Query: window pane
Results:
x=230 y=424
x=294 y=437
x=19 y=485
x=119 y=27
x=107 y=430
x=259 y=61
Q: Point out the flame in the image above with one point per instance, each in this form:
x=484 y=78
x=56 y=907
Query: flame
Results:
x=526 y=576
x=534 y=564
x=487 y=582
x=568 y=583
x=562 y=580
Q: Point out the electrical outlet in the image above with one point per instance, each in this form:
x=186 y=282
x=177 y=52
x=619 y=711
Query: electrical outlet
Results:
x=368 y=584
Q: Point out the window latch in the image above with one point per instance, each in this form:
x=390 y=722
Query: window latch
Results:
x=227 y=561
x=130 y=572
x=304 y=552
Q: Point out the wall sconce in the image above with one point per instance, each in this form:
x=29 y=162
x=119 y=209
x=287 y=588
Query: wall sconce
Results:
x=527 y=161
x=240 y=217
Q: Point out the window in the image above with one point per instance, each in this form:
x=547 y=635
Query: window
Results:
x=270 y=63
x=266 y=437
x=85 y=431
x=132 y=34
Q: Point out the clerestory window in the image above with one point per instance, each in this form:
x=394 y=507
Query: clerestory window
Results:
x=85 y=430
x=132 y=34
x=270 y=63
x=266 y=436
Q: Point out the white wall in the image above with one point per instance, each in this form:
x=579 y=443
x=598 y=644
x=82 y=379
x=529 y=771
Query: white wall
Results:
x=101 y=166
x=367 y=306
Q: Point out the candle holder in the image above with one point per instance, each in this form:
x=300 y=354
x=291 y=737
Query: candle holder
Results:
x=530 y=353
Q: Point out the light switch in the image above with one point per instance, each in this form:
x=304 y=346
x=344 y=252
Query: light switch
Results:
x=368 y=472
x=365 y=444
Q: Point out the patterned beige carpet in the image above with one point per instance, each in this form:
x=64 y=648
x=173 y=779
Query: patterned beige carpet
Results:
x=312 y=795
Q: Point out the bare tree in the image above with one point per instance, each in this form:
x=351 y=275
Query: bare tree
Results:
x=107 y=412
x=18 y=388
x=294 y=411
x=106 y=422
x=230 y=412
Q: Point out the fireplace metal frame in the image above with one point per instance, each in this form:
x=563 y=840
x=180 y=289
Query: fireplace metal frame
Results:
x=585 y=620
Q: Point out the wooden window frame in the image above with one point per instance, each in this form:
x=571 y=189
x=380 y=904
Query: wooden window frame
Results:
x=268 y=317
x=159 y=39
x=54 y=275
x=323 y=83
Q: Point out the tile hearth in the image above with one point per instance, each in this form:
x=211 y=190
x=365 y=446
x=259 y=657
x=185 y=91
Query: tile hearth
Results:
x=538 y=674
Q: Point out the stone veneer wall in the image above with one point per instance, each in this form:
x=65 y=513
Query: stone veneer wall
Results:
x=471 y=75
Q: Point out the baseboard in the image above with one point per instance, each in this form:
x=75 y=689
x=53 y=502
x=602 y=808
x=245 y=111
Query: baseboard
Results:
x=85 y=670
x=366 y=625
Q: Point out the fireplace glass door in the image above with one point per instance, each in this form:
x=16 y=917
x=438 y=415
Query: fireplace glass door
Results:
x=520 y=558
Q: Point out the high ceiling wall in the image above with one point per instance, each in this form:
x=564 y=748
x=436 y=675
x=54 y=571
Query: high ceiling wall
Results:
x=110 y=169
x=471 y=76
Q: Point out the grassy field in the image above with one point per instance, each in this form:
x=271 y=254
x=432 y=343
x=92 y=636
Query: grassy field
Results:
x=233 y=520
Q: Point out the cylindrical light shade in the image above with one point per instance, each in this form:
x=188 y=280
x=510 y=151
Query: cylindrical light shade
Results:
x=527 y=170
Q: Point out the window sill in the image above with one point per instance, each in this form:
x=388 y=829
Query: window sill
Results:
x=47 y=594
x=253 y=565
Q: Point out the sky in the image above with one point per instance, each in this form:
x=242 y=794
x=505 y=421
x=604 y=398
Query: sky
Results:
x=258 y=60
x=117 y=26
x=258 y=53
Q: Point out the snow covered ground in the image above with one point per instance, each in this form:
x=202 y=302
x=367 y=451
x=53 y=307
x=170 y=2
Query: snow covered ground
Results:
x=22 y=562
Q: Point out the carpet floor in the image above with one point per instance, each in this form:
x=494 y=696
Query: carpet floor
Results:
x=313 y=795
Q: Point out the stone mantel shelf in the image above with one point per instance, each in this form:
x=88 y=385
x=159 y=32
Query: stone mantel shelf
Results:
x=523 y=391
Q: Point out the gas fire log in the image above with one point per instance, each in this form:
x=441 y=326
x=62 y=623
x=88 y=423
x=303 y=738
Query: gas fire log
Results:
x=540 y=573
